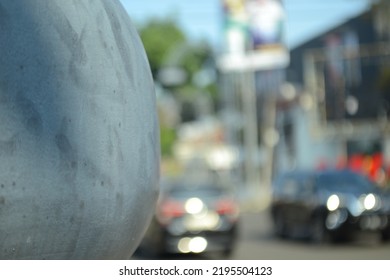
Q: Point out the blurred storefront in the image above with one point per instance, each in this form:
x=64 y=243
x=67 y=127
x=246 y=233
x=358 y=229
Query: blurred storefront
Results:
x=338 y=114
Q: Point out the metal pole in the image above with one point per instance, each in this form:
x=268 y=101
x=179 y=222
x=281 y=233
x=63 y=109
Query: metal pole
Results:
x=249 y=107
x=269 y=131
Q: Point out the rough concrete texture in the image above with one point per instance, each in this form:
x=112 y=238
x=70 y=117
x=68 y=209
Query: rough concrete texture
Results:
x=79 y=143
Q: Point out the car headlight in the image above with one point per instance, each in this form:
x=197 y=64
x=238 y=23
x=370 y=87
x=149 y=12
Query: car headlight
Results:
x=371 y=202
x=333 y=202
x=194 y=205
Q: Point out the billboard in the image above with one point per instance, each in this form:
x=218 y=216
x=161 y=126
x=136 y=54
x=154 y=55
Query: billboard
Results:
x=253 y=32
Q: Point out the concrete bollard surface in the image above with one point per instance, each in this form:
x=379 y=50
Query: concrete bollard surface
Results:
x=79 y=142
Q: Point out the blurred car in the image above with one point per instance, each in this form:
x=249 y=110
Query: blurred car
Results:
x=194 y=218
x=328 y=205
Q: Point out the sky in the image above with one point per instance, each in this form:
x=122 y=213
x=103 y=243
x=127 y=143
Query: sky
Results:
x=202 y=19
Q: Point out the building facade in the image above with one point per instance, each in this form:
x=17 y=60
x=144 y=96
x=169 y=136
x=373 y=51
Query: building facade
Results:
x=338 y=116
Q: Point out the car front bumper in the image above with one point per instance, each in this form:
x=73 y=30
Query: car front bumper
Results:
x=342 y=219
x=206 y=241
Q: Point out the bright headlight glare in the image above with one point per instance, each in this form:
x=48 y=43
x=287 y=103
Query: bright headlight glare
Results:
x=197 y=245
x=333 y=202
x=369 y=202
x=194 y=205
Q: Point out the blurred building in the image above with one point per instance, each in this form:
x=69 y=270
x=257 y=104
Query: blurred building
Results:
x=334 y=110
x=203 y=141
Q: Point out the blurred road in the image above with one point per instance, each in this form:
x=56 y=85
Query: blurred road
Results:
x=256 y=242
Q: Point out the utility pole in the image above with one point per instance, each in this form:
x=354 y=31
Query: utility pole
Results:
x=250 y=128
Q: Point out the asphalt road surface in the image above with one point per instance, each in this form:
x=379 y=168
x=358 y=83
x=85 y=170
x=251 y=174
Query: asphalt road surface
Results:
x=256 y=242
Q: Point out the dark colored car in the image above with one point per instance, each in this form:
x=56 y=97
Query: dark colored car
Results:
x=328 y=205
x=194 y=218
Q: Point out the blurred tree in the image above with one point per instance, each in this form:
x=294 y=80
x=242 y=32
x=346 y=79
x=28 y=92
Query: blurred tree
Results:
x=160 y=37
x=167 y=138
x=168 y=47
x=381 y=9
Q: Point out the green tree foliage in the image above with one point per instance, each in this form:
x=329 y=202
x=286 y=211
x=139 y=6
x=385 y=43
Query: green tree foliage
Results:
x=160 y=37
x=167 y=138
x=167 y=45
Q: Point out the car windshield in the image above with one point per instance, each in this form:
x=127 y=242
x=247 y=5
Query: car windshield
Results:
x=344 y=181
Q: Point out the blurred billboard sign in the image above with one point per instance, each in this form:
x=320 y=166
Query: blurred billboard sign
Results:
x=253 y=35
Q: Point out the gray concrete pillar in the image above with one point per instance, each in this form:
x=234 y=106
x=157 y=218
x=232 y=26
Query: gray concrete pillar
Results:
x=79 y=142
